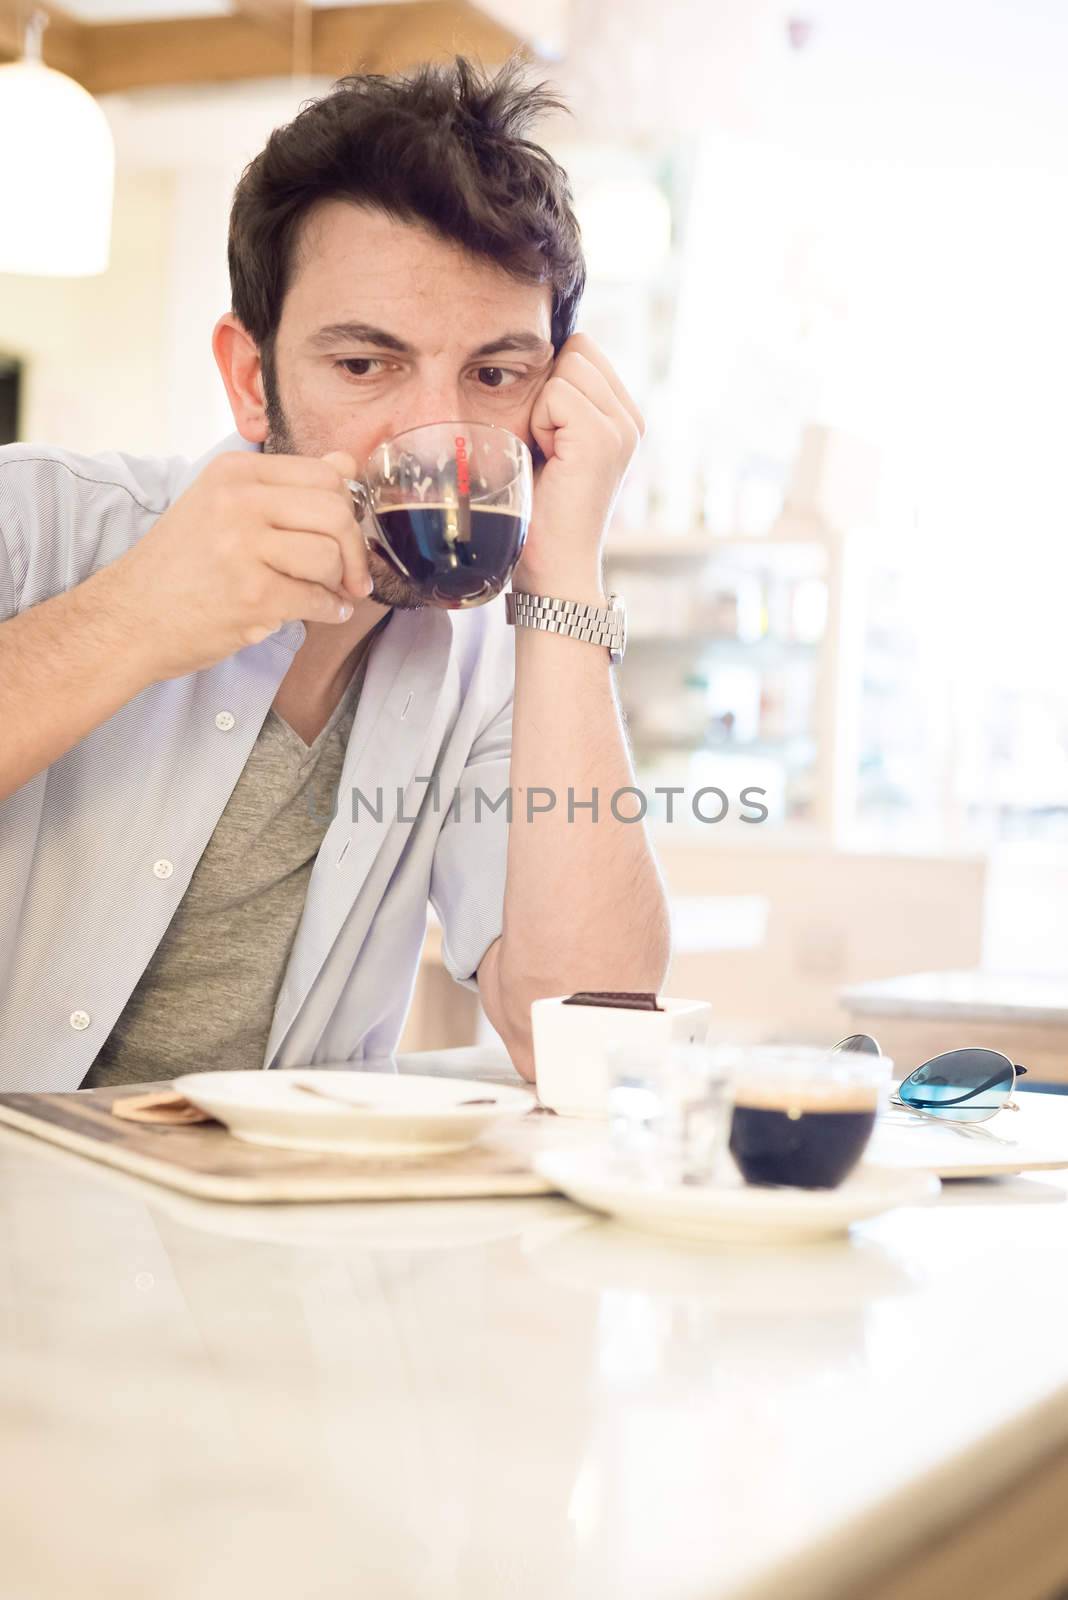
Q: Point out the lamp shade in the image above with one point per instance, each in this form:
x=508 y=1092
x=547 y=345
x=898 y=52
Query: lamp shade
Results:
x=57 y=177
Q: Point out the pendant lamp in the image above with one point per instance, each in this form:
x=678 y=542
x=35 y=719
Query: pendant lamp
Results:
x=57 y=176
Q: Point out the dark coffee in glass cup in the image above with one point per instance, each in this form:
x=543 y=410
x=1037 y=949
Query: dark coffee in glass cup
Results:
x=802 y=1118
x=448 y=506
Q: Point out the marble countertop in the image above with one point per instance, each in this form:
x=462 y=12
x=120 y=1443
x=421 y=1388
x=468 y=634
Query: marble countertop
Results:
x=470 y=1399
x=977 y=995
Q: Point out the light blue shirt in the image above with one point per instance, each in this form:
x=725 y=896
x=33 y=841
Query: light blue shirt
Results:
x=96 y=851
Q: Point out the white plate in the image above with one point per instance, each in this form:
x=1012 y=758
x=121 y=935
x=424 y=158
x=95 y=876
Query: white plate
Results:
x=733 y=1210
x=391 y=1115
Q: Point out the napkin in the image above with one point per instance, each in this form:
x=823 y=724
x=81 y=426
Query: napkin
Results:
x=162 y=1106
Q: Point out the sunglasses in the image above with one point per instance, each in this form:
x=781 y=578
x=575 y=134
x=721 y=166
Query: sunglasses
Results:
x=970 y=1085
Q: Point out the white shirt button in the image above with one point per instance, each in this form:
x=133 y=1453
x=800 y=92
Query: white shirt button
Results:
x=224 y=720
x=80 y=1020
x=163 y=869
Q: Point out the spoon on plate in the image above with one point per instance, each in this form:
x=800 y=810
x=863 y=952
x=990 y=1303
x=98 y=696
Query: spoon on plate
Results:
x=367 y=1105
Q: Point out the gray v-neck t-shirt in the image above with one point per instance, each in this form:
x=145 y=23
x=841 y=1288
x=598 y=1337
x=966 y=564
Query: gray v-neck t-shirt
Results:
x=206 y=1000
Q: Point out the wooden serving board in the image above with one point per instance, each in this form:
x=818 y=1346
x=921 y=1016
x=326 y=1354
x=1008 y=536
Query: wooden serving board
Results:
x=205 y=1160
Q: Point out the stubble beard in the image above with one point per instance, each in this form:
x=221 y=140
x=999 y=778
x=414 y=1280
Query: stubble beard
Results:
x=390 y=589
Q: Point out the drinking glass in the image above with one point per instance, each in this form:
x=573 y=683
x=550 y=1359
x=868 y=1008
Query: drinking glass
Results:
x=448 y=506
x=669 y=1112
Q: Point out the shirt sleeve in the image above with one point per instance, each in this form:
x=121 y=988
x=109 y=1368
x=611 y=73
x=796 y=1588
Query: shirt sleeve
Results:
x=65 y=515
x=9 y=603
x=39 y=557
x=471 y=858
x=12 y=545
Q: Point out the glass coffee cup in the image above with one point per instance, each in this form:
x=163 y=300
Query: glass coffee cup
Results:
x=668 y=1111
x=448 y=506
x=802 y=1118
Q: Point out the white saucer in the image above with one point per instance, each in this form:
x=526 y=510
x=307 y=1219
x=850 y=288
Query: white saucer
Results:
x=391 y=1115
x=733 y=1210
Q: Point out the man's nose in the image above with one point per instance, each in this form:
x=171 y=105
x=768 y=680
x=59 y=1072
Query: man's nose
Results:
x=432 y=402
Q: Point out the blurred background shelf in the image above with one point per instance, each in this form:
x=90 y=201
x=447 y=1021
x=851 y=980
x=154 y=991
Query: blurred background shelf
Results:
x=699 y=546
x=733 y=671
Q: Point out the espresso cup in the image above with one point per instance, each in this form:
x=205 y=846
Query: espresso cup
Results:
x=448 y=506
x=802 y=1118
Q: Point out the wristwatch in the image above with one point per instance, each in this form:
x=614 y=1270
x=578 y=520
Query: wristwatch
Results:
x=605 y=625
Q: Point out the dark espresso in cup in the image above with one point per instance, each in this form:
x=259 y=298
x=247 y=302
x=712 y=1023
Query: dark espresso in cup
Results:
x=454 y=564
x=798 y=1137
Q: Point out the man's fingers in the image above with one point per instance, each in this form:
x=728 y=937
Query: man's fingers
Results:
x=559 y=404
x=314 y=511
x=345 y=463
x=299 y=472
x=589 y=380
x=310 y=556
x=310 y=602
x=583 y=345
x=357 y=578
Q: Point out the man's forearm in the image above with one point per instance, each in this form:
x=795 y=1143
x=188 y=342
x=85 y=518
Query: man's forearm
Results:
x=66 y=665
x=584 y=903
x=584 y=906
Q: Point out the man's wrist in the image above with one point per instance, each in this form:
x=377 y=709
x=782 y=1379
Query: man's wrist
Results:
x=582 y=583
x=108 y=596
x=587 y=623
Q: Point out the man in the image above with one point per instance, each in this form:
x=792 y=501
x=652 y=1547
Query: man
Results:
x=204 y=673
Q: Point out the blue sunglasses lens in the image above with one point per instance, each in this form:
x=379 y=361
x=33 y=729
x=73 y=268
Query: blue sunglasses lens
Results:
x=961 y=1085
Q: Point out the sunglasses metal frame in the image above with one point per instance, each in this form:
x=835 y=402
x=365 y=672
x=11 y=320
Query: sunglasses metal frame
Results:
x=863 y=1043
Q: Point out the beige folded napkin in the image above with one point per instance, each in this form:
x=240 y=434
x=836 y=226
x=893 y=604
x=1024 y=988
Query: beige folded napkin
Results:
x=163 y=1106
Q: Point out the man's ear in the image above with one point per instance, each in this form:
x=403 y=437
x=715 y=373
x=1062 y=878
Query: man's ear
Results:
x=238 y=361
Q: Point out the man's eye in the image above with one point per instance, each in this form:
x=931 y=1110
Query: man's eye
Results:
x=358 y=361
x=498 y=377
x=488 y=377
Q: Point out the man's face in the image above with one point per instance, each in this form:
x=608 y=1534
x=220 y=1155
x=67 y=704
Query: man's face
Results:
x=435 y=334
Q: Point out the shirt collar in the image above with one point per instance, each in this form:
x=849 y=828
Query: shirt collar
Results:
x=192 y=470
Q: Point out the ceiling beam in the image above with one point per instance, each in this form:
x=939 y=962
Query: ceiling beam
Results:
x=259 y=43
x=275 y=15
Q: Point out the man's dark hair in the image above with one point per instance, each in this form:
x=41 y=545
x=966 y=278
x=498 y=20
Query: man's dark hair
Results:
x=442 y=147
